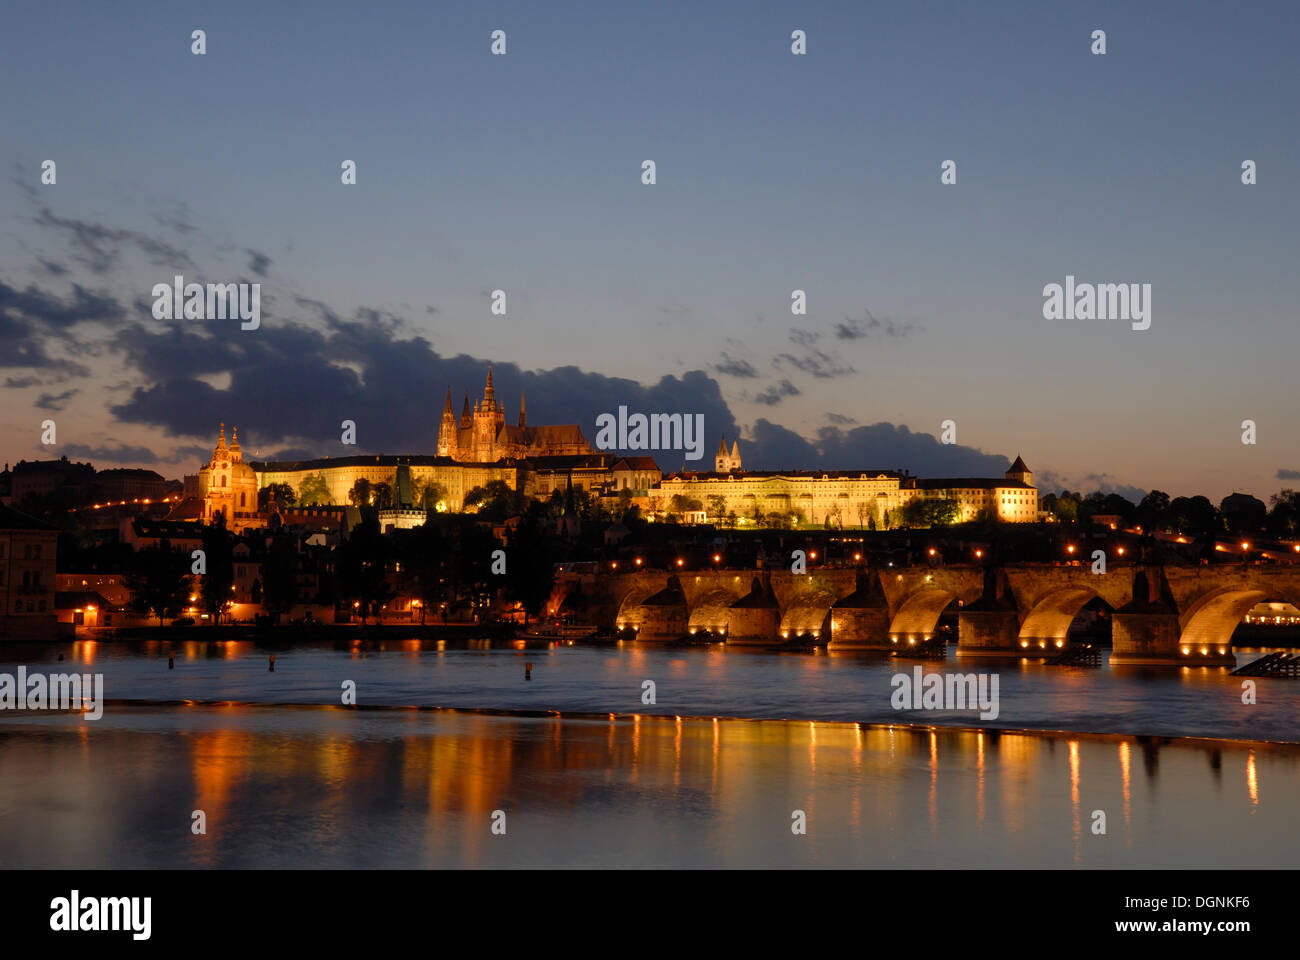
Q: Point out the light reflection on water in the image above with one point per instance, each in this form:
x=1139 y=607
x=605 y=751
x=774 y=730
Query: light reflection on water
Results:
x=338 y=788
x=691 y=681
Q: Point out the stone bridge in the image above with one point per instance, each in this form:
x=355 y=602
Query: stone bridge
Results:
x=1161 y=614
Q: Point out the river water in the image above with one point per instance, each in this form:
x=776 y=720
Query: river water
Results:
x=287 y=776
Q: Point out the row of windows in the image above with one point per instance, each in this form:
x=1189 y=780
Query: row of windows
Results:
x=33 y=606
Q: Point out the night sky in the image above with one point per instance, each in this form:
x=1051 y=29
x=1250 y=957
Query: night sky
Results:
x=775 y=172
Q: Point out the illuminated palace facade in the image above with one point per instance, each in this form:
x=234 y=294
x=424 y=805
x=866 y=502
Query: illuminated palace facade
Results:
x=479 y=447
x=473 y=450
x=841 y=497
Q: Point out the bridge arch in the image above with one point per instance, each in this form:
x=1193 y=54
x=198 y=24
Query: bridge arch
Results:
x=636 y=594
x=808 y=613
x=918 y=617
x=711 y=611
x=1047 y=625
x=1208 y=624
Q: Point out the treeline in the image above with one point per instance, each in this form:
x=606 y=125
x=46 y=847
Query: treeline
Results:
x=1236 y=514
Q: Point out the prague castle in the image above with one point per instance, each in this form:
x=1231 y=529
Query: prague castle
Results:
x=839 y=498
x=483 y=436
x=479 y=447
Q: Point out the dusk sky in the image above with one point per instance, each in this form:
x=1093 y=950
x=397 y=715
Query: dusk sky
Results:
x=775 y=172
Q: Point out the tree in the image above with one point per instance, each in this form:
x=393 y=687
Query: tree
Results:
x=157 y=581
x=530 y=571
x=433 y=494
x=219 y=559
x=361 y=565
x=284 y=495
x=1195 y=515
x=717 y=506
x=280 y=575
x=1284 y=513
x=1154 y=510
x=1243 y=513
x=314 y=490
x=924 y=512
x=495 y=500
x=361 y=495
x=680 y=503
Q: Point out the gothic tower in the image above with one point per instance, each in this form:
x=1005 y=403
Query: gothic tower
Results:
x=447 y=443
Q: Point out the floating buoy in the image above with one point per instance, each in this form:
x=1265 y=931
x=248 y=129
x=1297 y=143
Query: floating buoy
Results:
x=272 y=666
x=171 y=661
x=528 y=671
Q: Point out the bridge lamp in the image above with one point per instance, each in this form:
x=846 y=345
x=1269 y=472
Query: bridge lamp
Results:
x=638 y=561
x=680 y=562
x=1042 y=643
x=717 y=558
x=1060 y=643
x=1297 y=548
x=812 y=555
x=1120 y=551
x=1245 y=545
x=978 y=554
x=1024 y=643
x=932 y=551
x=1186 y=651
x=858 y=556
x=614 y=565
x=1070 y=549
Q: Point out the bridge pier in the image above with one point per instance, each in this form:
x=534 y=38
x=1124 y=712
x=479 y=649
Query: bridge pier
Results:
x=1147 y=629
x=984 y=633
x=990 y=626
x=755 y=619
x=860 y=621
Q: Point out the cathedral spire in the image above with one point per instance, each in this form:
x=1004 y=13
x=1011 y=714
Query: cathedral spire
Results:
x=489 y=393
x=446 y=410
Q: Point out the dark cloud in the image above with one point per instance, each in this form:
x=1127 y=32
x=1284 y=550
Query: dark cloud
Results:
x=178 y=219
x=52 y=268
x=1288 y=474
x=857 y=329
x=258 y=262
x=54 y=402
x=732 y=367
x=293 y=384
x=840 y=419
x=777 y=392
x=119 y=454
x=804 y=338
x=21 y=383
x=880 y=446
x=41 y=307
x=99 y=248
x=816 y=364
